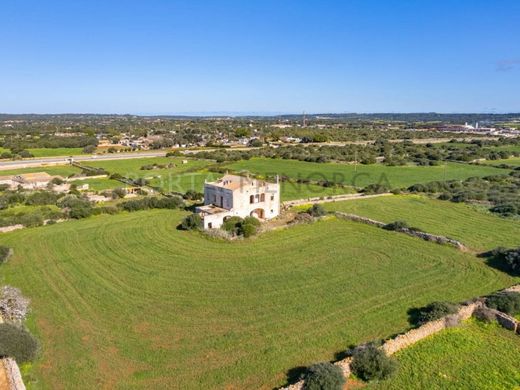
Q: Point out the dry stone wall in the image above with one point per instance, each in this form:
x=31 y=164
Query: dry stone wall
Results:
x=410 y=232
x=14 y=376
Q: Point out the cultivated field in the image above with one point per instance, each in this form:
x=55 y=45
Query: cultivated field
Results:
x=474 y=356
x=130 y=301
x=362 y=175
x=478 y=229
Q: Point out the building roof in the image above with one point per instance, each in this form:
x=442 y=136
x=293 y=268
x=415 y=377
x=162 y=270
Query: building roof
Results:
x=233 y=182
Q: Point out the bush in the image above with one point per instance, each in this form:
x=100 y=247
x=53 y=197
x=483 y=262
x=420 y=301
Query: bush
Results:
x=31 y=220
x=507 y=302
x=193 y=195
x=434 y=311
x=324 y=376
x=192 y=222
x=248 y=230
x=371 y=363
x=80 y=210
x=232 y=225
x=511 y=258
x=41 y=198
x=317 y=210
x=5 y=253
x=396 y=226
x=17 y=343
x=118 y=193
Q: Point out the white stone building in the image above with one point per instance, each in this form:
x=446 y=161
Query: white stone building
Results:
x=239 y=196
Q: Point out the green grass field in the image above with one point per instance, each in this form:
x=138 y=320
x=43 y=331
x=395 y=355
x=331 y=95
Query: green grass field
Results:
x=129 y=301
x=362 y=175
x=132 y=167
x=100 y=184
x=55 y=152
x=60 y=170
x=477 y=229
x=474 y=356
x=510 y=161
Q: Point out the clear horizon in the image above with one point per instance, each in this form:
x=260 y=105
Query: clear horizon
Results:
x=259 y=58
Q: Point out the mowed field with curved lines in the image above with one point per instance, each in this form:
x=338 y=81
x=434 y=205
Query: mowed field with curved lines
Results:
x=129 y=301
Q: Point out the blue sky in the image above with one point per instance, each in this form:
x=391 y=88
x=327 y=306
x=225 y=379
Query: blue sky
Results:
x=259 y=56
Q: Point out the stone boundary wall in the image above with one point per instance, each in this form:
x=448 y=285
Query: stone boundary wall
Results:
x=411 y=337
x=13 y=374
x=79 y=178
x=330 y=198
x=407 y=339
x=414 y=233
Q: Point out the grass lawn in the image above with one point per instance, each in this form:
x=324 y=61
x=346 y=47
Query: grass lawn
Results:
x=53 y=152
x=129 y=301
x=477 y=229
x=61 y=170
x=100 y=184
x=362 y=175
x=474 y=356
x=132 y=167
x=510 y=161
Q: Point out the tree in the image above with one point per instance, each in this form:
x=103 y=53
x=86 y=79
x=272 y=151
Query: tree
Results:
x=17 y=343
x=434 y=311
x=89 y=149
x=324 y=376
x=317 y=210
x=192 y=222
x=371 y=363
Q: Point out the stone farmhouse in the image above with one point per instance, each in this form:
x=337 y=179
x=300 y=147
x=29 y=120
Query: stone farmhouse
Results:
x=238 y=196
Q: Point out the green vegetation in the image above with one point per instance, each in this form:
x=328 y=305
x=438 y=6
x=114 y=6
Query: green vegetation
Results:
x=434 y=311
x=55 y=152
x=508 y=161
x=475 y=228
x=17 y=343
x=130 y=300
x=58 y=170
x=371 y=363
x=99 y=184
x=476 y=356
x=324 y=376
x=363 y=175
x=507 y=302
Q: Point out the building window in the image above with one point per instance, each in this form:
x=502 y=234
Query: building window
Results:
x=272 y=197
x=252 y=199
x=262 y=197
x=210 y=225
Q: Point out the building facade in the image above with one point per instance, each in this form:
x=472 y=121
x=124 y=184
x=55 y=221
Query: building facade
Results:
x=239 y=196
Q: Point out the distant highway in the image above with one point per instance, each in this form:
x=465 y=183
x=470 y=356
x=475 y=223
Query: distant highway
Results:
x=41 y=161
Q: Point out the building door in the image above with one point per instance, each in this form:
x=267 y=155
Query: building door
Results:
x=221 y=201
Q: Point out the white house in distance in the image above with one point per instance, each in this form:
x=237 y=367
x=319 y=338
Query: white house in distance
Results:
x=238 y=196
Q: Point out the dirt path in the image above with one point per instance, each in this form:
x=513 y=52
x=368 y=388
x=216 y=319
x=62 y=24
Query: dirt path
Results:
x=335 y=198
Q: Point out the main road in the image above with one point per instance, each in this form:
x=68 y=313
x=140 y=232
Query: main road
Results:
x=42 y=161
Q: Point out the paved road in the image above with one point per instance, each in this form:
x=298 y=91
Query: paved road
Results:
x=37 y=162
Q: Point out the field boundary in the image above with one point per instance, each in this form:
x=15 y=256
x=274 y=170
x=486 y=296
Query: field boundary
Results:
x=411 y=232
x=331 y=198
x=414 y=335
